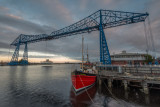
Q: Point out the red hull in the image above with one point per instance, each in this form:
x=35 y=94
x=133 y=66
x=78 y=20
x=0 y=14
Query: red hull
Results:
x=82 y=99
x=81 y=81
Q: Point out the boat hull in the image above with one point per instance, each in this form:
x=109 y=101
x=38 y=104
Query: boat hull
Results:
x=81 y=81
x=83 y=98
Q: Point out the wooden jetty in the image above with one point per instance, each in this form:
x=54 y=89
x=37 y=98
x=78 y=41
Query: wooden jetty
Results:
x=144 y=77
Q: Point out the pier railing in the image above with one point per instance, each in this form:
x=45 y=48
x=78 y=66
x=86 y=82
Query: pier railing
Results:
x=142 y=69
x=130 y=69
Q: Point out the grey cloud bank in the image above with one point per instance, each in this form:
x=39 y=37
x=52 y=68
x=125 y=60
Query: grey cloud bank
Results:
x=44 y=16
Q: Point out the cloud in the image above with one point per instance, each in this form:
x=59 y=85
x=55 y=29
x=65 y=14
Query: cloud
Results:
x=21 y=24
x=48 y=12
x=45 y=16
x=3 y=9
x=12 y=27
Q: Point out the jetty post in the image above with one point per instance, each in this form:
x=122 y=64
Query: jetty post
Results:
x=141 y=77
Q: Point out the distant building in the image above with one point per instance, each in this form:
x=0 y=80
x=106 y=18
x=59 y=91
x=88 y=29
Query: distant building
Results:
x=3 y=63
x=47 y=62
x=125 y=58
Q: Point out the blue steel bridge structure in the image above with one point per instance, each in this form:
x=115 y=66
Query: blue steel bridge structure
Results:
x=98 y=21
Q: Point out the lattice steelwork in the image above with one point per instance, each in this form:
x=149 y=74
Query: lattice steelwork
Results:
x=99 y=20
x=14 y=60
x=25 y=56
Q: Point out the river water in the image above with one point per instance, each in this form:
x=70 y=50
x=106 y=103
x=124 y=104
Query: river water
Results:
x=50 y=86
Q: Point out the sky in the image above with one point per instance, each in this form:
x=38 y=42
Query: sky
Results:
x=33 y=17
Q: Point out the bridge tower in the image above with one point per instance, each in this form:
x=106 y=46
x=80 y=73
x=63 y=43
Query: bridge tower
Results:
x=14 y=59
x=104 y=51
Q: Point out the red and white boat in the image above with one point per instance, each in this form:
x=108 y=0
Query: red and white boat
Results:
x=84 y=78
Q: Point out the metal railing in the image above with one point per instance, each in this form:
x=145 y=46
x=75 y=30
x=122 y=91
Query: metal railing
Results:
x=130 y=69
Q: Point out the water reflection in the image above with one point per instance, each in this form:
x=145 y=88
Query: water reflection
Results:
x=82 y=99
x=36 y=87
x=47 y=68
x=50 y=86
x=17 y=86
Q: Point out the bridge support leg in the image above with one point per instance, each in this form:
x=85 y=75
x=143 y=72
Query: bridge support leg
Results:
x=14 y=60
x=25 y=55
x=104 y=51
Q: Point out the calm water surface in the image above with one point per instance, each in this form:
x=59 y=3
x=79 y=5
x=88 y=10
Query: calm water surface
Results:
x=50 y=86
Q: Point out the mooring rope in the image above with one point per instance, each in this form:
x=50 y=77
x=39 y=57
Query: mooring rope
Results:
x=110 y=91
x=114 y=97
x=86 y=90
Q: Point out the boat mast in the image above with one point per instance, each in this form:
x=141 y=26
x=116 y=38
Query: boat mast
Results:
x=82 y=51
x=87 y=55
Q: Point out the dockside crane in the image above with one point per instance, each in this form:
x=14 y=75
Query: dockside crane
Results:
x=98 y=21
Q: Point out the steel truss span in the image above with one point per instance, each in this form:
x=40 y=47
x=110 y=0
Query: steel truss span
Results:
x=101 y=19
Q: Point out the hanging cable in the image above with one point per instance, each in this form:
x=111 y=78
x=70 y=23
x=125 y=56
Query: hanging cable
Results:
x=9 y=52
x=46 y=51
x=152 y=38
x=146 y=37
